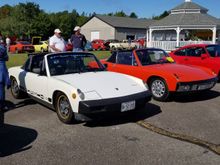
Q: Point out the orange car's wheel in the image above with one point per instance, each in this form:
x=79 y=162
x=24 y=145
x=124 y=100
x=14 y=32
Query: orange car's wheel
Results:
x=159 y=89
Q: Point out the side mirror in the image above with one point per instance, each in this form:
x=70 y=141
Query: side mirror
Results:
x=106 y=65
x=204 y=56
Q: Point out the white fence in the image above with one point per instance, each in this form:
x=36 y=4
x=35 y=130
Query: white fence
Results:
x=172 y=45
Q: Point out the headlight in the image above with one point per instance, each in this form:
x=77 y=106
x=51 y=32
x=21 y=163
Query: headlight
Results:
x=81 y=94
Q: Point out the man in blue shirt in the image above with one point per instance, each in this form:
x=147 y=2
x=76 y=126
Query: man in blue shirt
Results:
x=78 y=40
x=4 y=80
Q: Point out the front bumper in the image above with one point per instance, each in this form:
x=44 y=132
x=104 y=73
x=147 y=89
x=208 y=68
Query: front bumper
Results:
x=196 y=85
x=113 y=104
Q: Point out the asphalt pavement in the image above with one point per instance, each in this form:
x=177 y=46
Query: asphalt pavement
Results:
x=33 y=134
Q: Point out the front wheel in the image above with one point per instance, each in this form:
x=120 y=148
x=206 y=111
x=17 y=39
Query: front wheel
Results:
x=159 y=89
x=15 y=89
x=63 y=109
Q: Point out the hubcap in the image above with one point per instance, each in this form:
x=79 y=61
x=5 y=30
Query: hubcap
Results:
x=14 y=87
x=64 y=107
x=158 y=88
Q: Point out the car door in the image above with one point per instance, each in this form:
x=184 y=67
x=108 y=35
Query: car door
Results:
x=125 y=63
x=36 y=79
x=194 y=56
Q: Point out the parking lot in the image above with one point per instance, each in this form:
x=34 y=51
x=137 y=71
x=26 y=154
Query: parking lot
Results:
x=33 y=134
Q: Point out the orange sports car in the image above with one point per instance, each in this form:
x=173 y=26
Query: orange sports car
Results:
x=160 y=72
x=21 y=46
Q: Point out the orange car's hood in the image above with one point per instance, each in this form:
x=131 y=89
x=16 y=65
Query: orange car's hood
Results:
x=185 y=73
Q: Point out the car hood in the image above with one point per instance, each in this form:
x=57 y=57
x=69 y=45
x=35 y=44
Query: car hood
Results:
x=104 y=84
x=184 y=72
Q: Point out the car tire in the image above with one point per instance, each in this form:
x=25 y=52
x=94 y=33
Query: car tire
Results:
x=159 y=89
x=15 y=89
x=63 y=109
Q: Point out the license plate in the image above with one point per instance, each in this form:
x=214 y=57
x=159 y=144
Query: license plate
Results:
x=127 y=106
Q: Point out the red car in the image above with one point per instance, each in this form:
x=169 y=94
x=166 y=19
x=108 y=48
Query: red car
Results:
x=160 y=72
x=100 y=45
x=201 y=55
x=21 y=46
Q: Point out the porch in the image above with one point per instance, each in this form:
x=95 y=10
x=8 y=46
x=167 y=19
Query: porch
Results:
x=172 y=45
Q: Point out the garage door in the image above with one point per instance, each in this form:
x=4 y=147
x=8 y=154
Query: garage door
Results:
x=94 y=35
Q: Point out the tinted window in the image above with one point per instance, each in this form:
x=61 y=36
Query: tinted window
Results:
x=126 y=58
x=112 y=58
x=195 y=51
x=214 y=50
x=181 y=52
x=36 y=63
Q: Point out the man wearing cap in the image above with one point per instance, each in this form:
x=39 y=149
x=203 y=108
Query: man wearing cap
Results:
x=78 y=40
x=56 y=42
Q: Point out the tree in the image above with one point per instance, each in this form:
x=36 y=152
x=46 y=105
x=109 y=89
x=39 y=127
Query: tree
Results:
x=164 y=14
x=120 y=14
x=133 y=15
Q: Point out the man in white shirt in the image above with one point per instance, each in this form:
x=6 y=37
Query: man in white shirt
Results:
x=56 y=42
x=8 y=42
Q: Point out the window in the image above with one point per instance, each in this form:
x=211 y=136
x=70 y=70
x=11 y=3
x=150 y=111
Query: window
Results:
x=181 y=52
x=214 y=50
x=112 y=58
x=37 y=64
x=195 y=51
x=126 y=58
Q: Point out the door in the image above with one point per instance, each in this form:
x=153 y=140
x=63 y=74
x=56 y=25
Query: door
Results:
x=95 y=35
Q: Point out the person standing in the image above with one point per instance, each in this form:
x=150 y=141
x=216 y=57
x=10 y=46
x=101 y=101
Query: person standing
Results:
x=8 y=42
x=56 y=42
x=78 y=40
x=4 y=80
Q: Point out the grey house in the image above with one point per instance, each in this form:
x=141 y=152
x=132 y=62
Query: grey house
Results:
x=111 y=27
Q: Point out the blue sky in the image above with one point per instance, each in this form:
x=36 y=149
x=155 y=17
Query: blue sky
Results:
x=143 y=8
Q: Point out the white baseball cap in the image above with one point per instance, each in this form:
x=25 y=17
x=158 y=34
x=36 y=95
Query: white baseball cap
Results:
x=57 y=31
x=77 y=28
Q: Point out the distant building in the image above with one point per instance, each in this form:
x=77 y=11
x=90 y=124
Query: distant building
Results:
x=188 y=23
x=111 y=27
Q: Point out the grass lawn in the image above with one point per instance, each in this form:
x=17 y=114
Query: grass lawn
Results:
x=19 y=59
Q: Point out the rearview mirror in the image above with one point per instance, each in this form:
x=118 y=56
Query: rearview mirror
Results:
x=204 y=56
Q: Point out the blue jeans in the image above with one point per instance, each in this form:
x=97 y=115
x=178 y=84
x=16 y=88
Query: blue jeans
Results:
x=77 y=50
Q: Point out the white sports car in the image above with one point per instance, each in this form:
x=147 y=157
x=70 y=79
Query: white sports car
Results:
x=69 y=84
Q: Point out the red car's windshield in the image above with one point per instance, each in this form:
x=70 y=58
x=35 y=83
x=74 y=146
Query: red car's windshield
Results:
x=214 y=50
x=152 y=56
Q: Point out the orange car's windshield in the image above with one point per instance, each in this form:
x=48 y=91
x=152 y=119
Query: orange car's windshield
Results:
x=152 y=56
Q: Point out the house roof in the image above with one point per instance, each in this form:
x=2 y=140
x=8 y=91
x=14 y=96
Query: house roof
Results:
x=189 y=5
x=188 y=19
x=125 y=22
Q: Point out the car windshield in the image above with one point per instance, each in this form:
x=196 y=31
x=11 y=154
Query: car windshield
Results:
x=153 y=56
x=214 y=50
x=61 y=64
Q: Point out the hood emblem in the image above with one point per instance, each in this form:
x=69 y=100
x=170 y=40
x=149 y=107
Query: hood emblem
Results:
x=116 y=89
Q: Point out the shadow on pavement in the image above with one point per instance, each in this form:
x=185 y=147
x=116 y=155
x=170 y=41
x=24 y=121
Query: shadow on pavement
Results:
x=23 y=103
x=121 y=118
x=14 y=139
x=194 y=97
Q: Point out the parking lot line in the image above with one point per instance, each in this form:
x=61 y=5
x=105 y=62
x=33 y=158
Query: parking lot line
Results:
x=211 y=146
